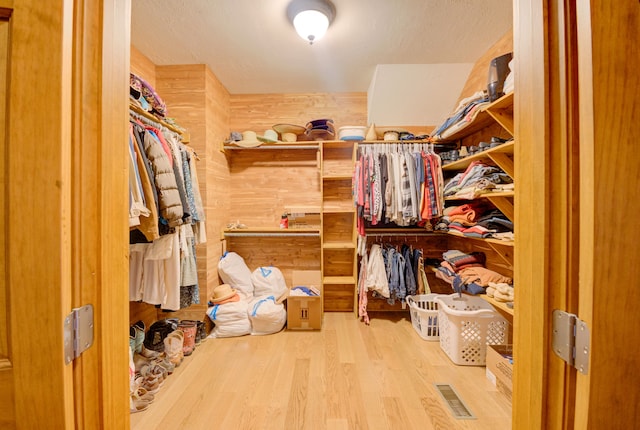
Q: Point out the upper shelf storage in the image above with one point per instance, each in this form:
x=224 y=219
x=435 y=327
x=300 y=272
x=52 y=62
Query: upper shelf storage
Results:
x=502 y=155
x=500 y=111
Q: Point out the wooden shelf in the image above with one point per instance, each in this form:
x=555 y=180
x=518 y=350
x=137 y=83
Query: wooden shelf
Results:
x=500 y=306
x=338 y=209
x=271 y=232
x=338 y=245
x=274 y=146
x=463 y=163
x=508 y=194
x=337 y=280
x=510 y=243
x=337 y=177
x=493 y=112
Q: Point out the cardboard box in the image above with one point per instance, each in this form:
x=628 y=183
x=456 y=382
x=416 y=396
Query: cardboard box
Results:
x=500 y=368
x=303 y=217
x=305 y=313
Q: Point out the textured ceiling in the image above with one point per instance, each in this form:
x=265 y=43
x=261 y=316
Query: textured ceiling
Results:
x=252 y=47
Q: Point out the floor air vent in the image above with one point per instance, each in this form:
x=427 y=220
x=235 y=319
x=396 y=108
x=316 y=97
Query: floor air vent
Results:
x=457 y=406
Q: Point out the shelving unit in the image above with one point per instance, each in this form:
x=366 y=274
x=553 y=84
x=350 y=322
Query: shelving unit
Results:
x=500 y=112
x=337 y=160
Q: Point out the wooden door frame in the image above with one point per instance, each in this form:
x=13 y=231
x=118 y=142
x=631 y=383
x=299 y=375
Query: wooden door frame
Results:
x=66 y=219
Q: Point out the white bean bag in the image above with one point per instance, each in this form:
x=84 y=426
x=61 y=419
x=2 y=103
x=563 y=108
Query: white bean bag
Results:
x=233 y=271
x=266 y=315
x=268 y=281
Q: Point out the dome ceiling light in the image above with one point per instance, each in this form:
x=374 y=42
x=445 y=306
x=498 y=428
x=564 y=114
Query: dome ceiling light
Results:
x=311 y=18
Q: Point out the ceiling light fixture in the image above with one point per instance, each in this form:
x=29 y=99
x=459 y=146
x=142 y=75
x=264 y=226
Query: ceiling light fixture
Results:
x=311 y=18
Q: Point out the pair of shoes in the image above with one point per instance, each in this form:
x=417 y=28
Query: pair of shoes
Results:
x=235 y=225
x=136 y=336
x=189 y=329
x=201 y=332
x=173 y=347
x=140 y=397
x=158 y=331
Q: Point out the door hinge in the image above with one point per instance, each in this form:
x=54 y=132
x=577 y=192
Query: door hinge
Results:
x=571 y=340
x=78 y=332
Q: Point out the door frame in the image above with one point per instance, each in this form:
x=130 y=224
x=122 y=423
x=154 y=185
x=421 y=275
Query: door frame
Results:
x=66 y=225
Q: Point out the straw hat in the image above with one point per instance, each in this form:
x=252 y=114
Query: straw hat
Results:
x=249 y=140
x=222 y=292
x=289 y=137
x=270 y=136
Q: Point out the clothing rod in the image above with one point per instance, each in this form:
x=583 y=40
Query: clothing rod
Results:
x=239 y=234
x=403 y=233
x=276 y=146
x=150 y=119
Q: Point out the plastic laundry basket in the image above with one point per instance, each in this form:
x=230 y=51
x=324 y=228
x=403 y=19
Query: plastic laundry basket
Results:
x=467 y=325
x=424 y=315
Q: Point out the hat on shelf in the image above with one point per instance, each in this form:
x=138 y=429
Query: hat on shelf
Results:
x=269 y=136
x=234 y=137
x=249 y=140
x=289 y=137
x=289 y=128
x=222 y=292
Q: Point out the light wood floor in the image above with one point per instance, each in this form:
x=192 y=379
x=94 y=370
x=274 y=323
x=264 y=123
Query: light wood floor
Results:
x=346 y=376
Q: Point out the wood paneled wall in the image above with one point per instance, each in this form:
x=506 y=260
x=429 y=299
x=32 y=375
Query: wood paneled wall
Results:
x=142 y=66
x=200 y=104
x=479 y=74
x=259 y=112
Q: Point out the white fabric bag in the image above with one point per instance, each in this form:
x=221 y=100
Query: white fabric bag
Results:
x=233 y=271
x=268 y=281
x=266 y=315
x=230 y=319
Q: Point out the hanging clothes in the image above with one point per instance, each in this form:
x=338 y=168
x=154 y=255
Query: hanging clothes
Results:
x=397 y=183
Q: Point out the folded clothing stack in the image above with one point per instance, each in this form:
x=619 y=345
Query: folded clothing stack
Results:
x=500 y=291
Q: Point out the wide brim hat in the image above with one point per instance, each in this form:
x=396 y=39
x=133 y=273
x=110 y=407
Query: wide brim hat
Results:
x=269 y=136
x=249 y=140
x=222 y=292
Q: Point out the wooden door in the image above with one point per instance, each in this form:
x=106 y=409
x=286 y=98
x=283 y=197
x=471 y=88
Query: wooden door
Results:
x=577 y=169
x=64 y=235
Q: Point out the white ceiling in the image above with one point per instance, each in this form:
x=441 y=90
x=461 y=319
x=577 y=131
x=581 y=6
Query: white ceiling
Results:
x=252 y=48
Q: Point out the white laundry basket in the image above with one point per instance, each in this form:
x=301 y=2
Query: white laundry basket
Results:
x=467 y=325
x=424 y=315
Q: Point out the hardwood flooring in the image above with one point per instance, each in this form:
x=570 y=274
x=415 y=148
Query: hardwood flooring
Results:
x=346 y=376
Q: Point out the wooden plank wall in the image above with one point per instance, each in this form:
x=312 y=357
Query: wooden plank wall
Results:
x=263 y=183
x=199 y=103
x=259 y=112
x=142 y=66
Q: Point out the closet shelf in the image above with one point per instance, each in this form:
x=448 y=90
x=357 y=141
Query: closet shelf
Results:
x=338 y=209
x=509 y=194
x=338 y=280
x=503 y=149
x=500 y=306
x=272 y=232
x=338 y=245
x=275 y=146
x=401 y=231
x=498 y=111
x=337 y=177
x=484 y=239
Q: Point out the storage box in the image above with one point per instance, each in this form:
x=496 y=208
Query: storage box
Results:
x=500 y=368
x=467 y=325
x=305 y=313
x=303 y=217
